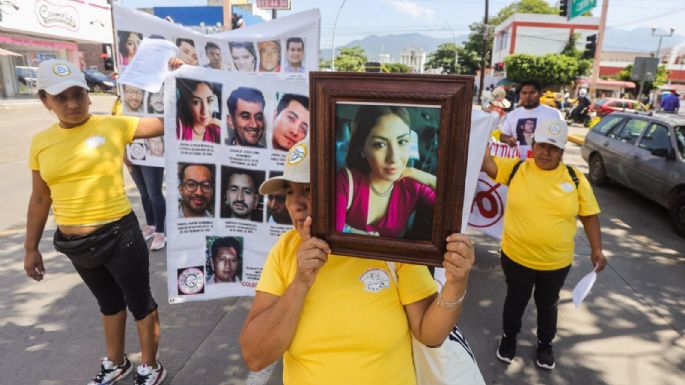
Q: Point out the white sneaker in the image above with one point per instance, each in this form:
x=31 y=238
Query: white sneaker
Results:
x=110 y=374
x=148 y=231
x=158 y=241
x=147 y=375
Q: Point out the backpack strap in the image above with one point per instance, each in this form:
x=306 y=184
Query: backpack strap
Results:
x=513 y=171
x=572 y=172
x=570 y=169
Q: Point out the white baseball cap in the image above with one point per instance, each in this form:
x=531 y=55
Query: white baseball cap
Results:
x=296 y=169
x=55 y=76
x=552 y=131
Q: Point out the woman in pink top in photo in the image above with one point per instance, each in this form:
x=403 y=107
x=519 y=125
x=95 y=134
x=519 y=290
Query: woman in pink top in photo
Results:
x=196 y=121
x=384 y=192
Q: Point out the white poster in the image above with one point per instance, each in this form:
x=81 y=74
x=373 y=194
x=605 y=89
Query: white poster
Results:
x=487 y=211
x=219 y=227
x=286 y=48
x=230 y=115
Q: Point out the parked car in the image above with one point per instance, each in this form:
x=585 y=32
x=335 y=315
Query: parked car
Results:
x=643 y=152
x=99 y=82
x=27 y=76
x=604 y=106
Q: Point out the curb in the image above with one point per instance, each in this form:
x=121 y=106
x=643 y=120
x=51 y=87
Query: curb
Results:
x=579 y=140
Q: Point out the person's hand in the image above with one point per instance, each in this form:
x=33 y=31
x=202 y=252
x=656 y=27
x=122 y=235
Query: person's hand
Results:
x=175 y=63
x=311 y=255
x=598 y=259
x=33 y=265
x=510 y=141
x=458 y=259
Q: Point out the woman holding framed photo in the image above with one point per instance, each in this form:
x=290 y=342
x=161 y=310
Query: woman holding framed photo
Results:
x=377 y=194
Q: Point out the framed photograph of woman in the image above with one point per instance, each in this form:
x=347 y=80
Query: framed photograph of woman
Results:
x=389 y=162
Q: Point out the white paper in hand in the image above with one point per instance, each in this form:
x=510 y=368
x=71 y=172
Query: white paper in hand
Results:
x=150 y=66
x=583 y=288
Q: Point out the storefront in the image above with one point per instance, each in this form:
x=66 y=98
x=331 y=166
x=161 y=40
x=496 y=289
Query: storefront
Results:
x=33 y=31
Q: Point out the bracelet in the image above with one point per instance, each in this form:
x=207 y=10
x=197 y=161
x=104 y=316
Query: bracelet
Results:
x=446 y=305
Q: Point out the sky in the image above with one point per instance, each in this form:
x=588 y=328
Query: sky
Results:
x=445 y=18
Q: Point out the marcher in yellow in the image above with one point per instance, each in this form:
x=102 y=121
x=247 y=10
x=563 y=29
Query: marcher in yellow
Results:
x=544 y=199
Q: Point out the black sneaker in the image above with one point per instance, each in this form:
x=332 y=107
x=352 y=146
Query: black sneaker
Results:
x=110 y=374
x=507 y=349
x=545 y=357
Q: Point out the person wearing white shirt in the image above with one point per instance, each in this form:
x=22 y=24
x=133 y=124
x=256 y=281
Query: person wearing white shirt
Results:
x=520 y=123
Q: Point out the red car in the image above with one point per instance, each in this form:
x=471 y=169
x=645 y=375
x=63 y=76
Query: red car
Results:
x=605 y=106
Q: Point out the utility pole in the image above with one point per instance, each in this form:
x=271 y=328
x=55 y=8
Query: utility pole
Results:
x=228 y=15
x=598 y=49
x=335 y=24
x=485 y=50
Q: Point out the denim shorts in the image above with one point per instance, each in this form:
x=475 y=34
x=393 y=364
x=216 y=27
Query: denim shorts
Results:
x=124 y=278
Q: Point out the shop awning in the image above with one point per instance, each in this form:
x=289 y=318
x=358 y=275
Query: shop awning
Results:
x=5 y=52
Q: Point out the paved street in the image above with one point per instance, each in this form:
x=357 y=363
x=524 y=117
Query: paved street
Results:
x=630 y=330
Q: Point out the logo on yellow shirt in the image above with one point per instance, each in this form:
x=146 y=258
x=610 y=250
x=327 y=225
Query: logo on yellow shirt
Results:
x=375 y=280
x=567 y=187
x=95 y=141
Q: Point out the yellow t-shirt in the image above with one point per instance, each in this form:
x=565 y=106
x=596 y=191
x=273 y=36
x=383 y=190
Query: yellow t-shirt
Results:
x=353 y=328
x=540 y=214
x=83 y=168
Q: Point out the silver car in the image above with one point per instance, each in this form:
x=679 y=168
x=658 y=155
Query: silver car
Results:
x=642 y=152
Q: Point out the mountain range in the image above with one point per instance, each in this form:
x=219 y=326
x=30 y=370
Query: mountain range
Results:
x=639 y=39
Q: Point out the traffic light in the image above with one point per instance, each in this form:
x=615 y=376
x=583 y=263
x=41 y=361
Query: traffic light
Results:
x=590 y=47
x=563 y=7
x=499 y=66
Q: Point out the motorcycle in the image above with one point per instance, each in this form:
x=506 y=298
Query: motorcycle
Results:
x=580 y=114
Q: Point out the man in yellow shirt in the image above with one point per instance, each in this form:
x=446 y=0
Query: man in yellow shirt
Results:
x=544 y=199
x=342 y=320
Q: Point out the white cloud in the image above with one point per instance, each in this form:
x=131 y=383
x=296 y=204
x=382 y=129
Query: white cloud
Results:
x=412 y=8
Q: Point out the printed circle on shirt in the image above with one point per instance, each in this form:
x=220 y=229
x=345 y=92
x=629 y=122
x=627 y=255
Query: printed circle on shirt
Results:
x=297 y=154
x=566 y=187
x=191 y=280
x=375 y=280
x=61 y=70
x=95 y=141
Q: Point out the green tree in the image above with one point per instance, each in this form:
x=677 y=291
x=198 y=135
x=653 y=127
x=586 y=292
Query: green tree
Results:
x=550 y=70
x=450 y=58
x=351 y=59
x=661 y=78
x=324 y=64
x=397 y=67
x=444 y=58
x=570 y=48
x=474 y=43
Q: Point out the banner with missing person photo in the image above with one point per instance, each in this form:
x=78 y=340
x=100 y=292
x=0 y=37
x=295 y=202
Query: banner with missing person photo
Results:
x=230 y=117
x=285 y=48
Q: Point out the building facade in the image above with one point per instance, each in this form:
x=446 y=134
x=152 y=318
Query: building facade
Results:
x=413 y=57
x=538 y=34
x=33 y=31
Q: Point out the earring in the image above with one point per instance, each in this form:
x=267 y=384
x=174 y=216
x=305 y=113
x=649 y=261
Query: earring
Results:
x=362 y=154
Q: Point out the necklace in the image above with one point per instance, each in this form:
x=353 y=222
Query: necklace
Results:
x=384 y=193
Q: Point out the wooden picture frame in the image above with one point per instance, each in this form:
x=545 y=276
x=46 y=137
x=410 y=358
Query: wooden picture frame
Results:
x=446 y=98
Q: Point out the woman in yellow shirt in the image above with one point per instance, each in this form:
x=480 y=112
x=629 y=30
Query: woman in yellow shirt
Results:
x=77 y=170
x=543 y=201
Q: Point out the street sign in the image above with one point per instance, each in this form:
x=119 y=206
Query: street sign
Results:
x=645 y=69
x=274 y=4
x=579 y=7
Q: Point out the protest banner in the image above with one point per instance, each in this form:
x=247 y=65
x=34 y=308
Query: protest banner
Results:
x=230 y=117
x=487 y=211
